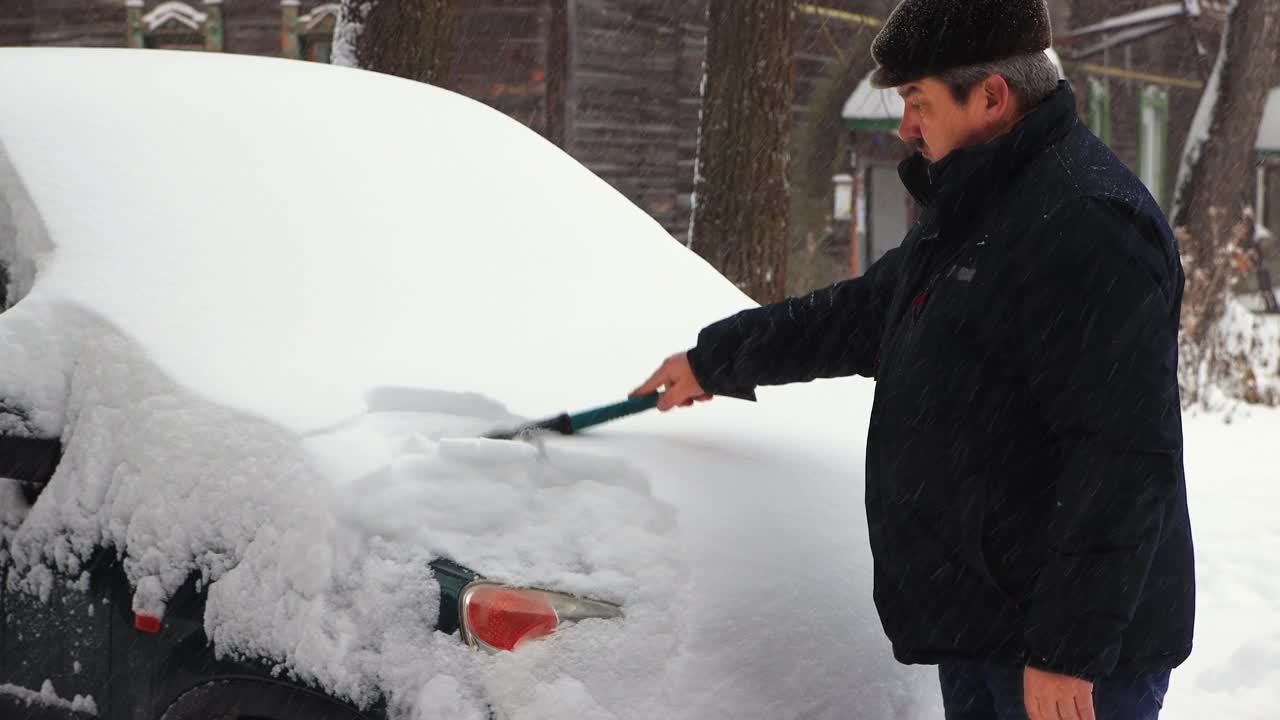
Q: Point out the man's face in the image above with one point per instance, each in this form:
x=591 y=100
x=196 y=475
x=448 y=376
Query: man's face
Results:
x=935 y=124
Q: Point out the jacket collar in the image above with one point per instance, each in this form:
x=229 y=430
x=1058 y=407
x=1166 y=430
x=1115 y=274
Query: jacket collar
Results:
x=991 y=165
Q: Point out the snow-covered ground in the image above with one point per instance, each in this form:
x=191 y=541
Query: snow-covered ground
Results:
x=270 y=305
x=1233 y=489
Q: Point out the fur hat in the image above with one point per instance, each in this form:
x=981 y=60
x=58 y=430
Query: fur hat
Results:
x=925 y=37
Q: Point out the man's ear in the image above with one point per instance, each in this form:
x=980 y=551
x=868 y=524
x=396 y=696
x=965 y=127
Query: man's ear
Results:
x=997 y=98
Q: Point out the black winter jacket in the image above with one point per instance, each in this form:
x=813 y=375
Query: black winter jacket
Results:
x=1024 y=483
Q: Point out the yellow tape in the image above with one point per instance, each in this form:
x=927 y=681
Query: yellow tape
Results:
x=1135 y=75
x=810 y=9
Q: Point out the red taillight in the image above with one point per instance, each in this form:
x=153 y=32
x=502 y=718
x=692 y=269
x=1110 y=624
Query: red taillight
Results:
x=146 y=623
x=502 y=618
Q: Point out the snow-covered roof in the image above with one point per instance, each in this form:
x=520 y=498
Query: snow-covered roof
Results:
x=178 y=12
x=1269 y=130
x=317 y=15
x=1145 y=16
x=285 y=396
x=870 y=107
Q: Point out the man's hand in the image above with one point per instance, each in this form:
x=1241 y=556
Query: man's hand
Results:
x=681 y=388
x=1050 y=696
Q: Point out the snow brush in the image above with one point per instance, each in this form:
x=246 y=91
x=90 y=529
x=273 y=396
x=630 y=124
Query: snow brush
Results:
x=567 y=424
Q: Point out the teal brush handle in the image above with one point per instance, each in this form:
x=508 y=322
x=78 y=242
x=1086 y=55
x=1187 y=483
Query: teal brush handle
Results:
x=588 y=418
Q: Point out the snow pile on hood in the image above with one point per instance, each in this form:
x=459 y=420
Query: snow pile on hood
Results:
x=243 y=277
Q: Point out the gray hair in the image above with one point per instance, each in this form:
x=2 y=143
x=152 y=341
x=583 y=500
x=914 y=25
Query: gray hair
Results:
x=1031 y=78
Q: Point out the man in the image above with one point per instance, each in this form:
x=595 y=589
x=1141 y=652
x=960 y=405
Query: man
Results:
x=1024 y=484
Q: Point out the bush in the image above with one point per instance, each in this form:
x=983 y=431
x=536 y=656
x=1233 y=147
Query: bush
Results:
x=1226 y=351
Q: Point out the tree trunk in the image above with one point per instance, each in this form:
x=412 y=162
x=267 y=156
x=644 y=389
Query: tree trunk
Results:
x=740 y=189
x=1220 y=172
x=1211 y=215
x=408 y=38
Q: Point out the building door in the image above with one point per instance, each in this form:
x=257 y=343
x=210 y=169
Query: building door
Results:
x=888 y=206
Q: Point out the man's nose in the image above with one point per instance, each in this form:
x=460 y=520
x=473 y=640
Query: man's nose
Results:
x=908 y=128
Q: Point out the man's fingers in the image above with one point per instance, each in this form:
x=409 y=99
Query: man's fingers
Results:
x=1084 y=706
x=689 y=398
x=677 y=395
x=1033 y=708
x=659 y=378
x=1054 y=696
x=683 y=395
x=668 y=399
x=671 y=398
x=1036 y=709
x=679 y=387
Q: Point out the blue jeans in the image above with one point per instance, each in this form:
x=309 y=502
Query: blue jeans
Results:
x=988 y=691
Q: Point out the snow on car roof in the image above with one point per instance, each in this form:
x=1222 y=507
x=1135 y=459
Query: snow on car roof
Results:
x=268 y=305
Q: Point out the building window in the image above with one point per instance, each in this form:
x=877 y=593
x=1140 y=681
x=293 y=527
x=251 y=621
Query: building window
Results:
x=1100 y=109
x=1153 y=140
x=318 y=50
x=309 y=36
x=175 y=26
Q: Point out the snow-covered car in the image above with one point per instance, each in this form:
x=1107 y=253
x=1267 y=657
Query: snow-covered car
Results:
x=269 y=309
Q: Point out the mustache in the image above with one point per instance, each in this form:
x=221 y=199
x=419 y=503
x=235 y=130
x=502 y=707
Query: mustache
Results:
x=917 y=145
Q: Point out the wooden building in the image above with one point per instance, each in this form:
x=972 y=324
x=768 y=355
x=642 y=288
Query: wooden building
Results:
x=253 y=27
x=1140 y=82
